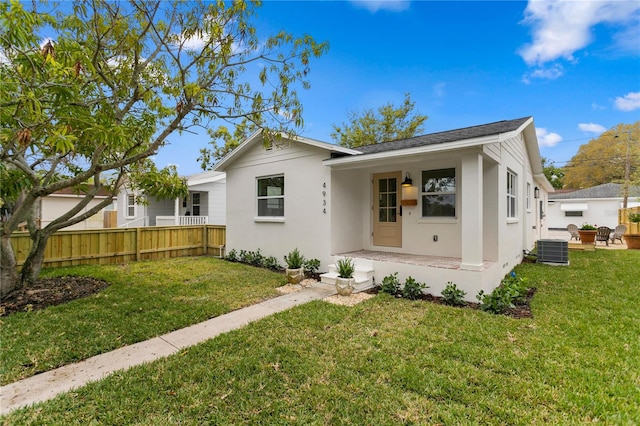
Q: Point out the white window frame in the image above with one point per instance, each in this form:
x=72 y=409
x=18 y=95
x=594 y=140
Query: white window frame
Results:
x=195 y=204
x=528 y=196
x=424 y=193
x=131 y=206
x=512 y=195
x=269 y=197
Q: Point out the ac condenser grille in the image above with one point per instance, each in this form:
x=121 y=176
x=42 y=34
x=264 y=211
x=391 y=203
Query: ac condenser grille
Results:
x=555 y=252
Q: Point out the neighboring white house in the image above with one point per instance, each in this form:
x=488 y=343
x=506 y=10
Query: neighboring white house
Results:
x=475 y=202
x=597 y=205
x=204 y=205
x=60 y=202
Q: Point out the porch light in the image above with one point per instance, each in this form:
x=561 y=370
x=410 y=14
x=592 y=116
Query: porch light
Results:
x=407 y=180
x=536 y=192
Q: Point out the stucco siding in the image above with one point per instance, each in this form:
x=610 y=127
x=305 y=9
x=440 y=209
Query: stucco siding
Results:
x=54 y=206
x=306 y=221
x=600 y=212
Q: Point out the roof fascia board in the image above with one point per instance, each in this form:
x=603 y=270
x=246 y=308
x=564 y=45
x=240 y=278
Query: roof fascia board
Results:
x=466 y=143
x=201 y=181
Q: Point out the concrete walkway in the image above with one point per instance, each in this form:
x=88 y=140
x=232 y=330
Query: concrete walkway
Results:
x=47 y=385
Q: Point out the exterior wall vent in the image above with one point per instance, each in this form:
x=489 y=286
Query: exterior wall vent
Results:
x=553 y=252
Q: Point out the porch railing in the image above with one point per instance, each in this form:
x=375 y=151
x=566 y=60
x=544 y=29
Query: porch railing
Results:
x=182 y=220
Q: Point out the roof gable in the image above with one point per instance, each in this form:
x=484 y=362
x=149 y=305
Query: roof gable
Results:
x=606 y=190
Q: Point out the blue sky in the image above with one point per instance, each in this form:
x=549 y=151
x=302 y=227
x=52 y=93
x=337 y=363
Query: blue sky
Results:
x=572 y=65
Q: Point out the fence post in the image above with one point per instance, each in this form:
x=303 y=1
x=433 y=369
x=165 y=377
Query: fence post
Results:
x=205 y=240
x=138 y=242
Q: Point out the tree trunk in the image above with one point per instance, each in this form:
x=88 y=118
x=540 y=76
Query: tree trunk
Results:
x=33 y=263
x=9 y=280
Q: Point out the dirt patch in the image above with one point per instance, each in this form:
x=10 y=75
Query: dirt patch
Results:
x=49 y=292
x=350 y=300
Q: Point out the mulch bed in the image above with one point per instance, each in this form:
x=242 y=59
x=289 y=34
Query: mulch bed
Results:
x=49 y=292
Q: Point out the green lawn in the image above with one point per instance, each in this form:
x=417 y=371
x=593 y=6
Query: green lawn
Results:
x=145 y=299
x=391 y=361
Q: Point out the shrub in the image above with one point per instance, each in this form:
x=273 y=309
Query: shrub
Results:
x=271 y=262
x=453 y=296
x=311 y=266
x=294 y=259
x=511 y=290
x=232 y=256
x=390 y=284
x=412 y=289
x=345 y=267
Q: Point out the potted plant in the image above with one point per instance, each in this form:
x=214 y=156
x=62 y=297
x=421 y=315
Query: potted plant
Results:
x=295 y=269
x=345 y=281
x=632 y=238
x=588 y=233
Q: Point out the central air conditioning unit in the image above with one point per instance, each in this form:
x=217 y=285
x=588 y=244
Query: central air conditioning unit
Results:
x=553 y=252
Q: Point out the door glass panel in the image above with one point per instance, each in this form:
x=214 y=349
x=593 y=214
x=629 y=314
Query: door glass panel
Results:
x=382 y=200
x=382 y=185
x=392 y=200
x=392 y=185
x=392 y=215
x=382 y=215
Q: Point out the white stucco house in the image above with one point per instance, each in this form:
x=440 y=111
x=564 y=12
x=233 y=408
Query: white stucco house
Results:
x=60 y=202
x=205 y=205
x=597 y=205
x=474 y=202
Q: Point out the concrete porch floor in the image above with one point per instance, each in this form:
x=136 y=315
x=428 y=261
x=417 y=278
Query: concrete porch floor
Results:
x=409 y=259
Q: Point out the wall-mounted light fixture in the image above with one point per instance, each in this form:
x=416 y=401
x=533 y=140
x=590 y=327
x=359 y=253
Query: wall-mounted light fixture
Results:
x=407 y=180
x=536 y=192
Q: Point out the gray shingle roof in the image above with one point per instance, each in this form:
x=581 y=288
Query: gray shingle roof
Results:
x=606 y=190
x=448 y=136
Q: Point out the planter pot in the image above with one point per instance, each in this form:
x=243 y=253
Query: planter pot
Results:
x=632 y=240
x=294 y=276
x=587 y=237
x=344 y=286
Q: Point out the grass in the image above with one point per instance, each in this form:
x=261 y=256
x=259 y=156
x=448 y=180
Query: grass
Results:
x=145 y=299
x=391 y=361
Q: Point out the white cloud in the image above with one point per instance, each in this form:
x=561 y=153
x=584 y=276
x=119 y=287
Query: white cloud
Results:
x=547 y=139
x=628 y=102
x=438 y=89
x=560 y=28
x=592 y=128
x=375 y=5
x=550 y=73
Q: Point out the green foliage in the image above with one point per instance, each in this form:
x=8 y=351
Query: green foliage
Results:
x=390 y=284
x=386 y=124
x=345 y=267
x=604 y=159
x=634 y=217
x=253 y=258
x=588 y=227
x=223 y=142
x=311 y=266
x=232 y=256
x=511 y=290
x=294 y=260
x=117 y=79
x=453 y=296
x=555 y=175
x=271 y=262
x=412 y=289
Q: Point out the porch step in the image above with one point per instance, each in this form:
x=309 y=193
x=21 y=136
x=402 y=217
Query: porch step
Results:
x=363 y=275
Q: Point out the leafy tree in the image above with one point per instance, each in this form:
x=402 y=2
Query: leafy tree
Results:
x=91 y=104
x=210 y=156
x=386 y=124
x=555 y=175
x=606 y=158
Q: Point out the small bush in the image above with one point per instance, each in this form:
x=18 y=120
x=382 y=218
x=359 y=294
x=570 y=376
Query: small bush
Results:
x=271 y=262
x=294 y=259
x=390 y=284
x=232 y=256
x=511 y=290
x=453 y=296
x=311 y=266
x=412 y=289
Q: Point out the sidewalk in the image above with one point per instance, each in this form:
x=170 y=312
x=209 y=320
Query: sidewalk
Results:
x=47 y=385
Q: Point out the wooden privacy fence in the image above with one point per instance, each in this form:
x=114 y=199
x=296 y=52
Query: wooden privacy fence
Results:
x=122 y=245
x=623 y=218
